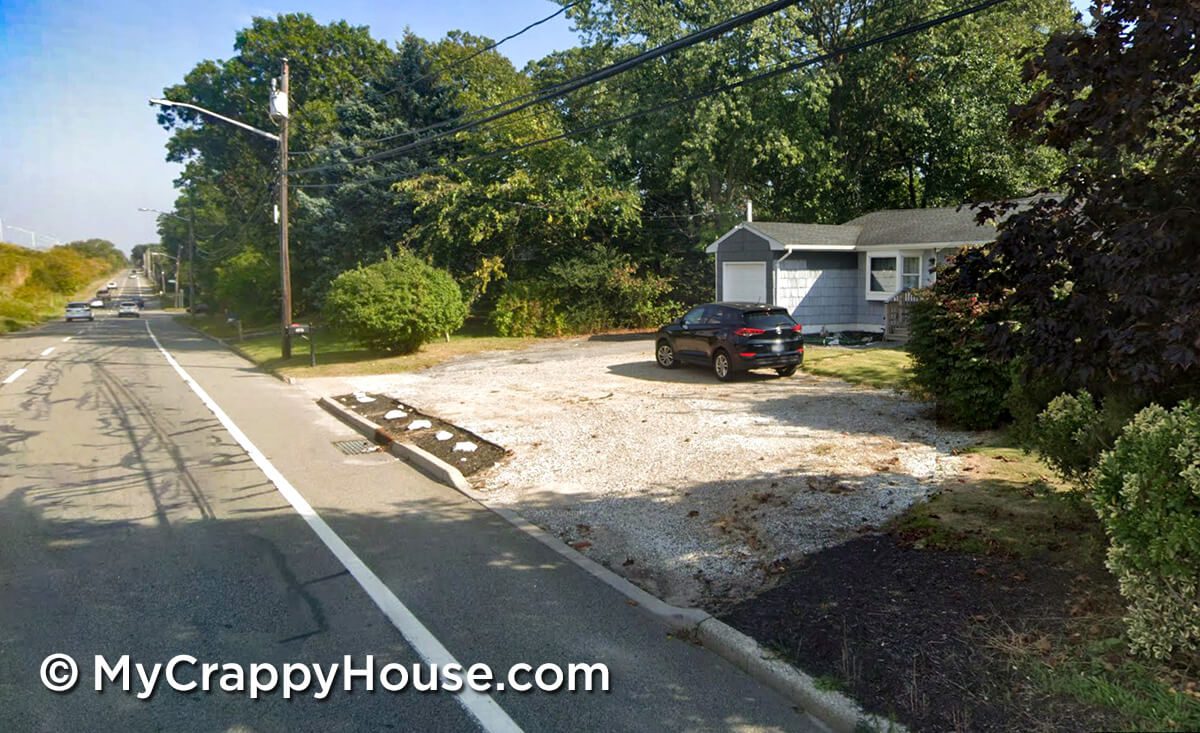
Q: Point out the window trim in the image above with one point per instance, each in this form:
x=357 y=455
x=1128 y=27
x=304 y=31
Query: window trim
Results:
x=894 y=256
x=919 y=274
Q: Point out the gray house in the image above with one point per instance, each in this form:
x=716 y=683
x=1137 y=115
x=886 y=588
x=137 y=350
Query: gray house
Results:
x=839 y=276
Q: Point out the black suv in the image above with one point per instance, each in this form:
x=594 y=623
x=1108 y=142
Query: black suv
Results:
x=732 y=337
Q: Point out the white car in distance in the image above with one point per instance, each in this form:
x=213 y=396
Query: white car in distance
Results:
x=79 y=311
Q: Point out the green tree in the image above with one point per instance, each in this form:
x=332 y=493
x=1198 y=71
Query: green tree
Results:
x=229 y=174
x=519 y=211
x=348 y=222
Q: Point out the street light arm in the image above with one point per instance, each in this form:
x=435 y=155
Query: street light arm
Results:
x=168 y=103
x=164 y=213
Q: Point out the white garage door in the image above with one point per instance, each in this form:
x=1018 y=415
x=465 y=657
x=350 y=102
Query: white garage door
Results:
x=744 y=282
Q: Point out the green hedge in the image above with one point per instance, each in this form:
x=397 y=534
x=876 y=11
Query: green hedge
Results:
x=951 y=363
x=596 y=291
x=1146 y=491
x=396 y=305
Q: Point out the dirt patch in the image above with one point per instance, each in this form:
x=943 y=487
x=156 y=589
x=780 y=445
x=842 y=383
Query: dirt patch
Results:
x=457 y=446
x=908 y=633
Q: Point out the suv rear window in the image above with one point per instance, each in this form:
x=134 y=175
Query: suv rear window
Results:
x=78 y=305
x=768 y=319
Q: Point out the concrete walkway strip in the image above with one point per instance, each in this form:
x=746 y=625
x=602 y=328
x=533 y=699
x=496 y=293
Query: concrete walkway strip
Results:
x=482 y=707
x=14 y=376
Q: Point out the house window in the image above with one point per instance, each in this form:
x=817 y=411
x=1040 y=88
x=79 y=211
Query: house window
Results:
x=910 y=276
x=881 y=275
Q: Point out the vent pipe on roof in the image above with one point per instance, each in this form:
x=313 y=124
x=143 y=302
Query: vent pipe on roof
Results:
x=749 y=210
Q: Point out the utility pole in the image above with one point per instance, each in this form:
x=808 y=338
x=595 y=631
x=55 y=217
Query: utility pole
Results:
x=178 y=259
x=191 y=257
x=285 y=268
x=278 y=112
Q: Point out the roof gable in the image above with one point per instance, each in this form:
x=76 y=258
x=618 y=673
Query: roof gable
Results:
x=806 y=235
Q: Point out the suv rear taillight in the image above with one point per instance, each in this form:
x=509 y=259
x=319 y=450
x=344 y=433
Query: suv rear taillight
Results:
x=749 y=332
x=797 y=328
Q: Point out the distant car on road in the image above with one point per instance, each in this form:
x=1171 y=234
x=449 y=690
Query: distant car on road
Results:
x=732 y=337
x=111 y=285
x=80 y=312
x=97 y=303
x=128 y=309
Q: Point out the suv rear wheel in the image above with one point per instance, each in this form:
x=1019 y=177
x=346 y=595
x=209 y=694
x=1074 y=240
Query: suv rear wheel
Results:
x=786 y=371
x=665 y=355
x=722 y=367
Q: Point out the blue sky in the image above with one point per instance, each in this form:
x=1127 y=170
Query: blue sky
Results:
x=79 y=147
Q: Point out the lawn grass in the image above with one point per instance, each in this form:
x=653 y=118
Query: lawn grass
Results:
x=340 y=356
x=1010 y=503
x=882 y=367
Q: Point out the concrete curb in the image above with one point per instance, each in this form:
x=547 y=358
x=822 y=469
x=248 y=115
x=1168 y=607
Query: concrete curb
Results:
x=836 y=711
x=424 y=461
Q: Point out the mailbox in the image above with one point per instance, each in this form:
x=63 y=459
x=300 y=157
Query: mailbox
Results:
x=305 y=331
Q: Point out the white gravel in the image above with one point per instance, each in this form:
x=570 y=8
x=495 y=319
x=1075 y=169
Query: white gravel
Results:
x=700 y=491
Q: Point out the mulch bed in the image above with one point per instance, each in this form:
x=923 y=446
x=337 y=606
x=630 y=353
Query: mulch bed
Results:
x=905 y=632
x=485 y=455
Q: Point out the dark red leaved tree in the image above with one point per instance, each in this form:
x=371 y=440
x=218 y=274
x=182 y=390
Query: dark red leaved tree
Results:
x=1101 y=286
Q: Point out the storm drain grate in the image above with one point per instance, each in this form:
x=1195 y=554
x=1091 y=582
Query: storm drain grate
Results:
x=355 y=447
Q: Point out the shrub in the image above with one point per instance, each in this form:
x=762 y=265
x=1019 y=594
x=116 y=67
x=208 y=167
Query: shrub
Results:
x=598 y=290
x=604 y=289
x=528 y=309
x=1146 y=491
x=951 y=363
x=1073 y=432
x=1028 y=396
x=1067 y=435
x=396 y=305
x=16 y=314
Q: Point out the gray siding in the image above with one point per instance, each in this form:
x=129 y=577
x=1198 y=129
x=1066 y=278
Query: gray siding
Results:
x=831 y=296
x=745 y=246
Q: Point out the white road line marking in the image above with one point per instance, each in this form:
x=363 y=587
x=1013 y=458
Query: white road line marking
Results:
x=67 y=339
x=482 y=707
x=48 y=351
x=14 y=376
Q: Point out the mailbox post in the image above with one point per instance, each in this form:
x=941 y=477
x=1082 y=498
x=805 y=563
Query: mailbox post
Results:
x=305 y=331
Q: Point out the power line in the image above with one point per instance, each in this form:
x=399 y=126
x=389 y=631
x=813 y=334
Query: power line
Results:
x=570 y=85
x=454 y=64
x=459 y=117
x=485 y=49
x=730 y=86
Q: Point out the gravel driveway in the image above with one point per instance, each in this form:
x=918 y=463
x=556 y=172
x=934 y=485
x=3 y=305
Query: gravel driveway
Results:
x=699 y=491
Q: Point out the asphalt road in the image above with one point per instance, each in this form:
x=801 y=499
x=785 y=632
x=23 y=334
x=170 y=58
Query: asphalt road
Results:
x=137 y=519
